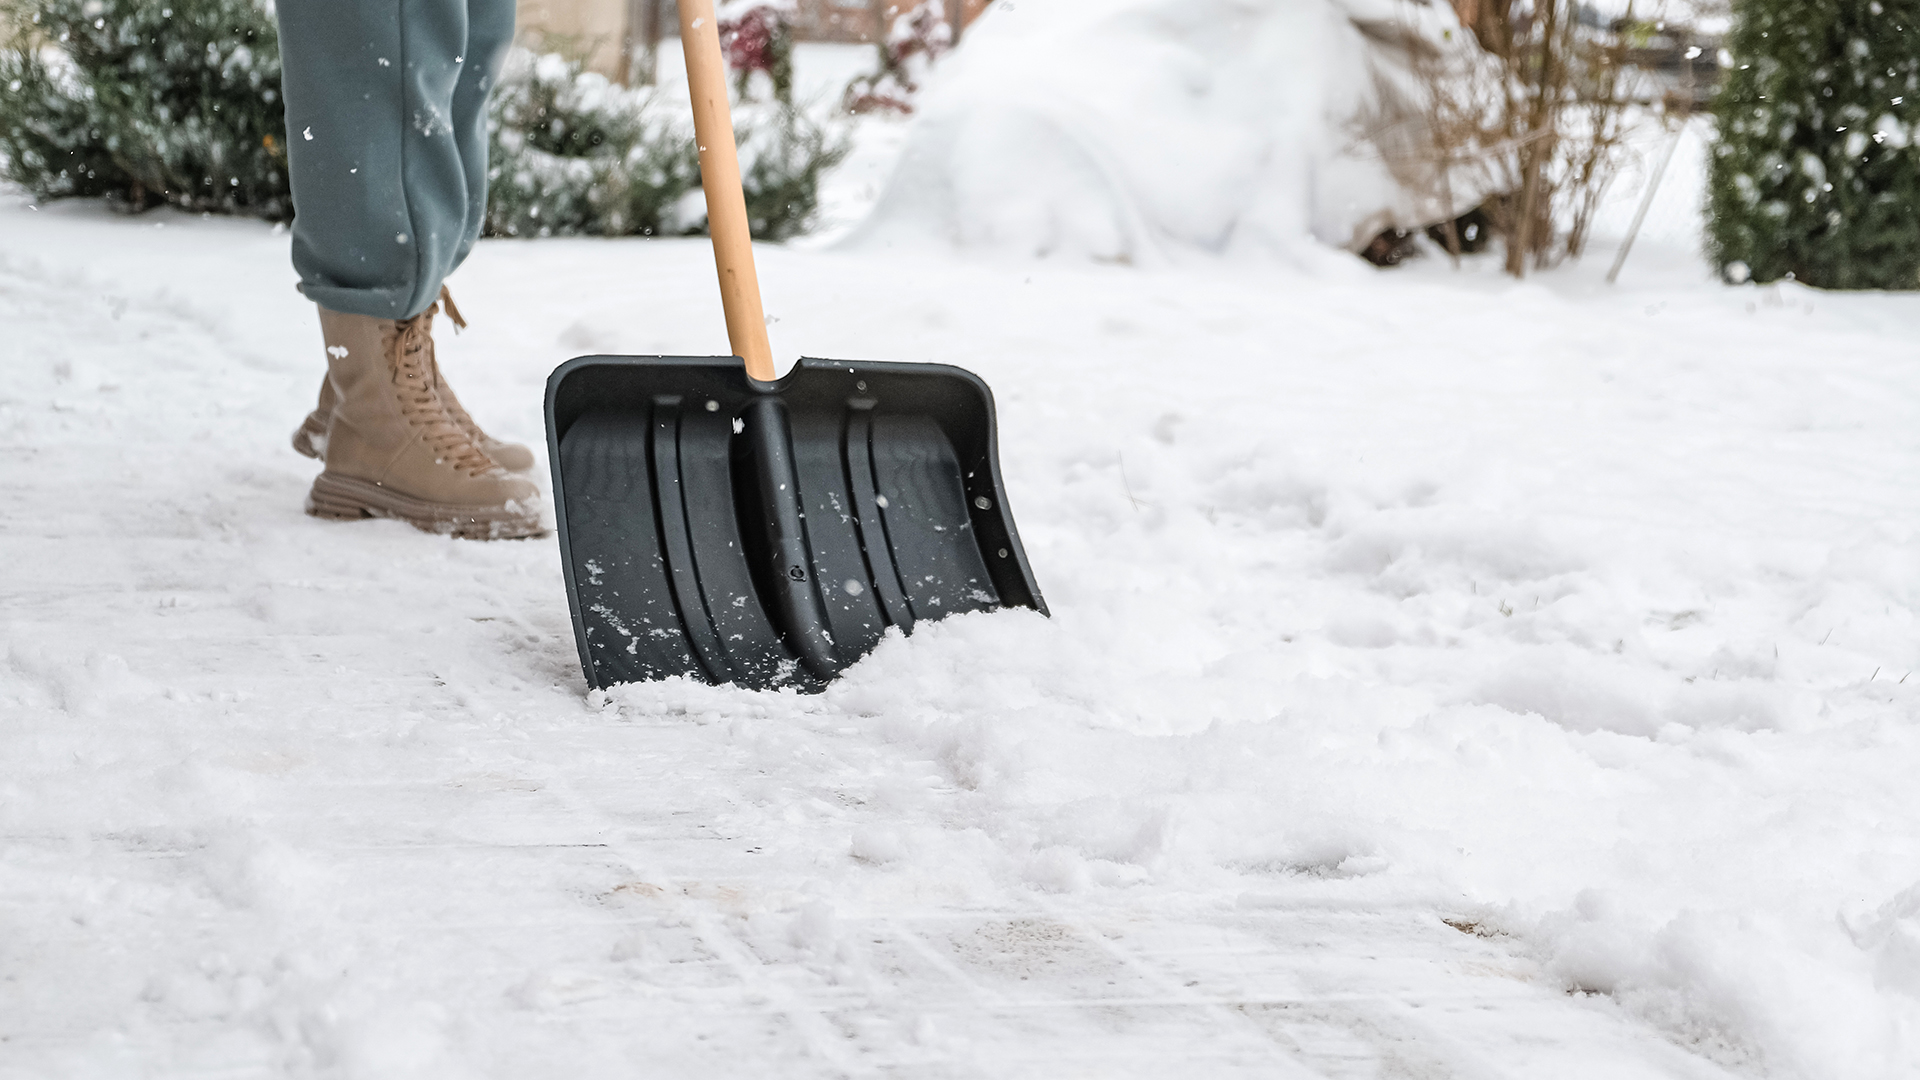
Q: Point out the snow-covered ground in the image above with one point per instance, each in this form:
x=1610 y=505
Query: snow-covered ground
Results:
x=1448 y=677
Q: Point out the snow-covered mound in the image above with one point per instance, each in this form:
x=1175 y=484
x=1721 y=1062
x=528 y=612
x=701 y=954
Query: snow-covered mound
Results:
x=1119 y=129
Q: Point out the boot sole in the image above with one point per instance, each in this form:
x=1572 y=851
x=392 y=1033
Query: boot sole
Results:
x=343 y=498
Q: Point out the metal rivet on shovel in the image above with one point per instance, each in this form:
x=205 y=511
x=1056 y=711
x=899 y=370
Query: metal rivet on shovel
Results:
x=706 y=507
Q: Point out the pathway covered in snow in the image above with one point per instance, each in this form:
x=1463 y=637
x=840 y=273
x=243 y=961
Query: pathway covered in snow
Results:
x=1447 y=678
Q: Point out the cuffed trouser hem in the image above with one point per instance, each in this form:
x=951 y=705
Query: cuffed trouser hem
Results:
x=373 y=303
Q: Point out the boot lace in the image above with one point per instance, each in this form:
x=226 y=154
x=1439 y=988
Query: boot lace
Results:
x=452 y=404
x=414 y=376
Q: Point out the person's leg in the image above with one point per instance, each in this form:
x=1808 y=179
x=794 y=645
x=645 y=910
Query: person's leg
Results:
x=489 y=35
x=380 y=184
x=386 y=107
x=381 y=216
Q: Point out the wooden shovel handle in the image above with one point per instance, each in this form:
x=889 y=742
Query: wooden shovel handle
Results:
x=726 y=200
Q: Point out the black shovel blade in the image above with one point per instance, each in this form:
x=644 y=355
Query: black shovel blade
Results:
x=767 y=534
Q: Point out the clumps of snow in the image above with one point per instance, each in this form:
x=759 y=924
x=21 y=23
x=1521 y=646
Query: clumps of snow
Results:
x=94 y=686
x=879 y=846
x=1890 y=937
x=1125 y=131
x=1745 y=988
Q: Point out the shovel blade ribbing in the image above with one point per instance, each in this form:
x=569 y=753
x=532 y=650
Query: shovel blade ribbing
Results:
x=767 y=535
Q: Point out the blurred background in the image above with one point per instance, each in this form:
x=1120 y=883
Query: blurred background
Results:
x=1122 y=131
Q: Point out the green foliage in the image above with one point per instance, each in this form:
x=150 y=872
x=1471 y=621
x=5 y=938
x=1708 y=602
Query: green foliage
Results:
x=783 y=155
x=145 y=102
x=178 y=101
x=1816 y=168
x=573 y=154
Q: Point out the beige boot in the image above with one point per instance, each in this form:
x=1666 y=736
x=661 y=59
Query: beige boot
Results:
x=393 y=450
x=310 y=438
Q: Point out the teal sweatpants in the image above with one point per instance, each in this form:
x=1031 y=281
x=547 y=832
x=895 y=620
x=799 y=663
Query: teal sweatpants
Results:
x=387 y=143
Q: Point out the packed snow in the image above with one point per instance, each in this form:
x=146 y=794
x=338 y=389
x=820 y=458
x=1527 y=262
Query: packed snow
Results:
x=1448 y=676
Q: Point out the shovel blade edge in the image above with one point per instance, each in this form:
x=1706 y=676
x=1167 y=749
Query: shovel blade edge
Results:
x=767 y=534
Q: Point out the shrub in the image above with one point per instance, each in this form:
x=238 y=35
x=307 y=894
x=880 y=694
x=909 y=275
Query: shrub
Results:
x=574 y=154
x=916 y=38
x=146 y=102
x=1522 y=122
x=756 y=35
x=783 y=154
x=1815 y=171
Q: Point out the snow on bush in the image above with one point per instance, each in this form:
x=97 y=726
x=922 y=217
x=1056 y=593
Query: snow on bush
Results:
x=1120 y=129
x=574 y=154
x=146 y=104
x=181 y=104
x=783 y=155
x=1816 y=172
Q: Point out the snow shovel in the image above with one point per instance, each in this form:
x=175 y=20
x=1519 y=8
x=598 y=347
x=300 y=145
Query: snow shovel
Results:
x=719 y=524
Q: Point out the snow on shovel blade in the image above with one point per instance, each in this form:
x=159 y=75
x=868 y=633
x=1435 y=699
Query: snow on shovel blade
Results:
x=767 y=534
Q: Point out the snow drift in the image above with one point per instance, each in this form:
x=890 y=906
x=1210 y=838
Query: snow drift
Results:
x=1122 y=129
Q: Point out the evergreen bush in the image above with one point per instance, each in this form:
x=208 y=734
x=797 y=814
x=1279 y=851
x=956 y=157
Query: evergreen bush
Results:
x=1815 y=171
x=145 y=102
x=573 y=154
x=783 y=154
